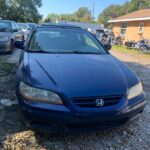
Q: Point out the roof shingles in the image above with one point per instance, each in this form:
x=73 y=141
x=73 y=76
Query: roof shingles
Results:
x=137 y=15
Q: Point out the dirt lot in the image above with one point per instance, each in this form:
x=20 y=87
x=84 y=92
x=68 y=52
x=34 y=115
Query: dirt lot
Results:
x=13 y=135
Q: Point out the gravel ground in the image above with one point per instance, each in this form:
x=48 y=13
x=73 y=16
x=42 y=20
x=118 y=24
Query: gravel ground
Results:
x=134 y=136
x=13 y=58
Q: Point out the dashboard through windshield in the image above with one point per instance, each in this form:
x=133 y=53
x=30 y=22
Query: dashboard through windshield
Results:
x=64 y=41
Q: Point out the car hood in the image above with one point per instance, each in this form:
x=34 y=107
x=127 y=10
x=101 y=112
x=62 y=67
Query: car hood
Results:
x=79 y=75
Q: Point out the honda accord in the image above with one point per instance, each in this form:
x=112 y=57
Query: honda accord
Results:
x=67 y=79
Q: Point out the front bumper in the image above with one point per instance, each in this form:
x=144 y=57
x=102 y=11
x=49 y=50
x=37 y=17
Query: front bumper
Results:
x=5 y=46
x=61 y=118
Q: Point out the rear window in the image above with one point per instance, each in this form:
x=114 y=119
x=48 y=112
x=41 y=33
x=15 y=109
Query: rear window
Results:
x=64 y=41
x=5 y=26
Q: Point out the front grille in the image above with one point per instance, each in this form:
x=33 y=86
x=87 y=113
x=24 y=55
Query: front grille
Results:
x=90 y=102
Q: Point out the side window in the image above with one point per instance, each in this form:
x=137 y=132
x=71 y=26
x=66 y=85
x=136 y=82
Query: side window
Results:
x=89 y=42
x=17 y=26
x=14 y=26
x=141 y=27
x=123 y=28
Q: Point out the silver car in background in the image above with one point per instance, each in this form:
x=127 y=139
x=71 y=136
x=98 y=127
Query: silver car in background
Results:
x=9 y=33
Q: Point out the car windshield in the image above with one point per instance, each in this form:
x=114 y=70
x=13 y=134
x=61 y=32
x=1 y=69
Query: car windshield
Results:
x=63 y=40
x=23 y=26
x=5 y=26
x=31 y=25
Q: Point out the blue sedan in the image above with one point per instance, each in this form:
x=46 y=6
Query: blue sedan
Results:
x=67 y=80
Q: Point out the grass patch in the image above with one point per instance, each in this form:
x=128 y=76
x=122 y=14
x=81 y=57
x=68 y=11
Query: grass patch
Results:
x=129 y=51
x=6 y=68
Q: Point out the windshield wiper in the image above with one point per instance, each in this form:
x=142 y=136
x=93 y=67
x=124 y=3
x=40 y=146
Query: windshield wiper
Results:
x=80 y=52
x=70 y=52
x=77 y=52
x=39 y=51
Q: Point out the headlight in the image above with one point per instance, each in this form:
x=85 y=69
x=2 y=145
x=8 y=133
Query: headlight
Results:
x=2 y=39
x=135 y=91
x=39 y=95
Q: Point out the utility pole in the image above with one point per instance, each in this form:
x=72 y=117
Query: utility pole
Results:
x=140 y=4
x=93 y=9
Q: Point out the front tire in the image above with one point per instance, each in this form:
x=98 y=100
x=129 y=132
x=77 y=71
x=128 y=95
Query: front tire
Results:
x=143 y=49
x=11 y=47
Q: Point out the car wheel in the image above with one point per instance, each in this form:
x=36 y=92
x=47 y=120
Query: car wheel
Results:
x=11 y=47
x=143 y=49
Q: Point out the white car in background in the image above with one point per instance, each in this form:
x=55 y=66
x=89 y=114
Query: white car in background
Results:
x=25 y=29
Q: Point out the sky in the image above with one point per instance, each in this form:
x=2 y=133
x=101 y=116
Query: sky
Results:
x=70 y=6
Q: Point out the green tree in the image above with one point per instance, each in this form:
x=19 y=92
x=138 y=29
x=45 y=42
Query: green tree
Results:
x=20 y=10
x=114 y=11
x=138 y=4
x=83 y=14
x=3 y=8
x=52 y=18
x=67 y=17
x=111 y=12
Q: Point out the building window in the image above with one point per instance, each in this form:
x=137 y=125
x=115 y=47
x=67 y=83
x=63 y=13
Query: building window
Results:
x=141 y=27
x=123 y=28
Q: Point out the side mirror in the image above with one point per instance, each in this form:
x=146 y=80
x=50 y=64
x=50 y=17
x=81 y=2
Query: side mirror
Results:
x=107 y=46
x=15 y=30
x=19 y=44
x=29 y=29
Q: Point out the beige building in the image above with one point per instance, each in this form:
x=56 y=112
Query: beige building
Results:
x=133 y=26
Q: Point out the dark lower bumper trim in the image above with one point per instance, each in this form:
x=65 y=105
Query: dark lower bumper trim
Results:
x=68 y=123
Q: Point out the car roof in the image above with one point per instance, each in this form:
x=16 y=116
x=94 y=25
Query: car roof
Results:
x=59 y=25
x=31 y=23
x=23 y=24
x=7 y=20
